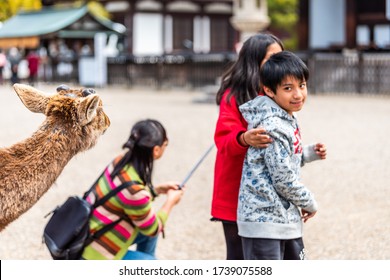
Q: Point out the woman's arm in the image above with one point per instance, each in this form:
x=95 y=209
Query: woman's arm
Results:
x=231 y=135
x=230 y=125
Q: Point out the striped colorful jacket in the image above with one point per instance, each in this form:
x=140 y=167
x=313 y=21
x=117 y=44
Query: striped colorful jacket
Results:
x=134 y=201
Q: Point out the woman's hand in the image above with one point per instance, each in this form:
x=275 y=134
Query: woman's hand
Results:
x=256 y=137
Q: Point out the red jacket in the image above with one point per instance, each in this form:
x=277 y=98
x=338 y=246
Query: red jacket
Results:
x=33 y=63
x=229 y=160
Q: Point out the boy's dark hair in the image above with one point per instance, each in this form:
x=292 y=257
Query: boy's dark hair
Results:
x=282 y=65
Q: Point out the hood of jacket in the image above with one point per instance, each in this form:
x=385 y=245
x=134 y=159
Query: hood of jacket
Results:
x=261 y=108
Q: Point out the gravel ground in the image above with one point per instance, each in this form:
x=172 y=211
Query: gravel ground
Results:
x=351 y=186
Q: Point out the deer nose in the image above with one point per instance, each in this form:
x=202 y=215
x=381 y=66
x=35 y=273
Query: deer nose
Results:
x=88 y=91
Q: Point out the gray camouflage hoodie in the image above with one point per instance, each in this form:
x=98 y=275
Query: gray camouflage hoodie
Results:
x=271 y=192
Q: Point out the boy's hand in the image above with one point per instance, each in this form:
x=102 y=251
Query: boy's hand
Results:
x=320 y=150
x=307 y=215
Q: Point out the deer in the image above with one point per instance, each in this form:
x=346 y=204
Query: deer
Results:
x=74 y=121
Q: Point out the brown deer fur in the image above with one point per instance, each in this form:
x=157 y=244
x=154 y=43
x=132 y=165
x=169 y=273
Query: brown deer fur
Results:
x=74 y=121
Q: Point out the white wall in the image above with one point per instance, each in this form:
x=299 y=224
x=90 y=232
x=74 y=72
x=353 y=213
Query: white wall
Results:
x=382 y=35
x=363 y=35
x=327 y=21
x=148 y=35
x=201 y=34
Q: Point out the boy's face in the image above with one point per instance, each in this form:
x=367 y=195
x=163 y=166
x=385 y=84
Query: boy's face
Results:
x=290 y=95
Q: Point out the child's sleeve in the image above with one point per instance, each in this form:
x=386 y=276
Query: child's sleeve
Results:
x=278 y=158
x=140 y=211
x=230 y=124
x=309 y=154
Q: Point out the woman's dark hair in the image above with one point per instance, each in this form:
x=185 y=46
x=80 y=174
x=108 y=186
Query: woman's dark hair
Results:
x=243 y=77
x=144 y=136
x=281 y=65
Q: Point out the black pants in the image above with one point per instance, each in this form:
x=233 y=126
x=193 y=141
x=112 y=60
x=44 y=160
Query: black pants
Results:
x=273 y=249
x=233 y=241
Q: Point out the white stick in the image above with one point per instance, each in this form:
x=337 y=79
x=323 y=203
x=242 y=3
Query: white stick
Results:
x=196 y=166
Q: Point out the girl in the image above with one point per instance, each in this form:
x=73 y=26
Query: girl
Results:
x=240 y=84
x=140 y=223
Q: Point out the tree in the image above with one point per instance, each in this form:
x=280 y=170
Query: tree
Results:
x=5 y=11
x=284 y=19
x=8 y=8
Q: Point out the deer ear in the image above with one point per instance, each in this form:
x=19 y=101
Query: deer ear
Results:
x=34 y=100
x=87 y=109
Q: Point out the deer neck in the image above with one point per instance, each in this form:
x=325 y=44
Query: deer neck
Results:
x=43 y=156
x=30 y=167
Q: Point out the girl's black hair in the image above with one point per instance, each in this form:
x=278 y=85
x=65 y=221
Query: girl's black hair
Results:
x=243 y=76
x=144 y=136
x=281 y=65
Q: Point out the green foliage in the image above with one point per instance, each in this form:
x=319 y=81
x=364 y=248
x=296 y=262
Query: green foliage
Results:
x=5 y=11
x=291 y=43
x=25 y=5
x=8 y=8
x=98 y=10
x=284 y=18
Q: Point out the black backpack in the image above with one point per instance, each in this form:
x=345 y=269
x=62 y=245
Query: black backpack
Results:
x=67 y=232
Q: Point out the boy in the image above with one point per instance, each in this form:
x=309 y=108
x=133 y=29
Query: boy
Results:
x=271 y=194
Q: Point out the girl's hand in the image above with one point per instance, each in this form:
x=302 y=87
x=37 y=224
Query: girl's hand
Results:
x=164 y=188
x=174 y=196
x=320 y=150
x=256 y=137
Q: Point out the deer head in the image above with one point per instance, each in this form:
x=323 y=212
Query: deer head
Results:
x=74 y=112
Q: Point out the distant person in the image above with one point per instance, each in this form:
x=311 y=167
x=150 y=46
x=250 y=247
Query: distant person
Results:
x=44 y=63
x=3 y=63
x=240 y=83
x=14 y=59
x=141 y=223
x=273 y=201
x=86 y=50
x=33 y=66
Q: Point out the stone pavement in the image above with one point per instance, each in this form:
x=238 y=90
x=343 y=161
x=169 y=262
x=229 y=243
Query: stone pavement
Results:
x=351 y=186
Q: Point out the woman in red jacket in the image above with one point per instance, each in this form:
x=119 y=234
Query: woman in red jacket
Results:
x=240 y=84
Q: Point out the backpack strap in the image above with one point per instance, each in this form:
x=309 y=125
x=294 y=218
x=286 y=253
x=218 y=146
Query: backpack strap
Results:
x=111 y=193
x=114 y=192
x=85 y=195
x=101 y=201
